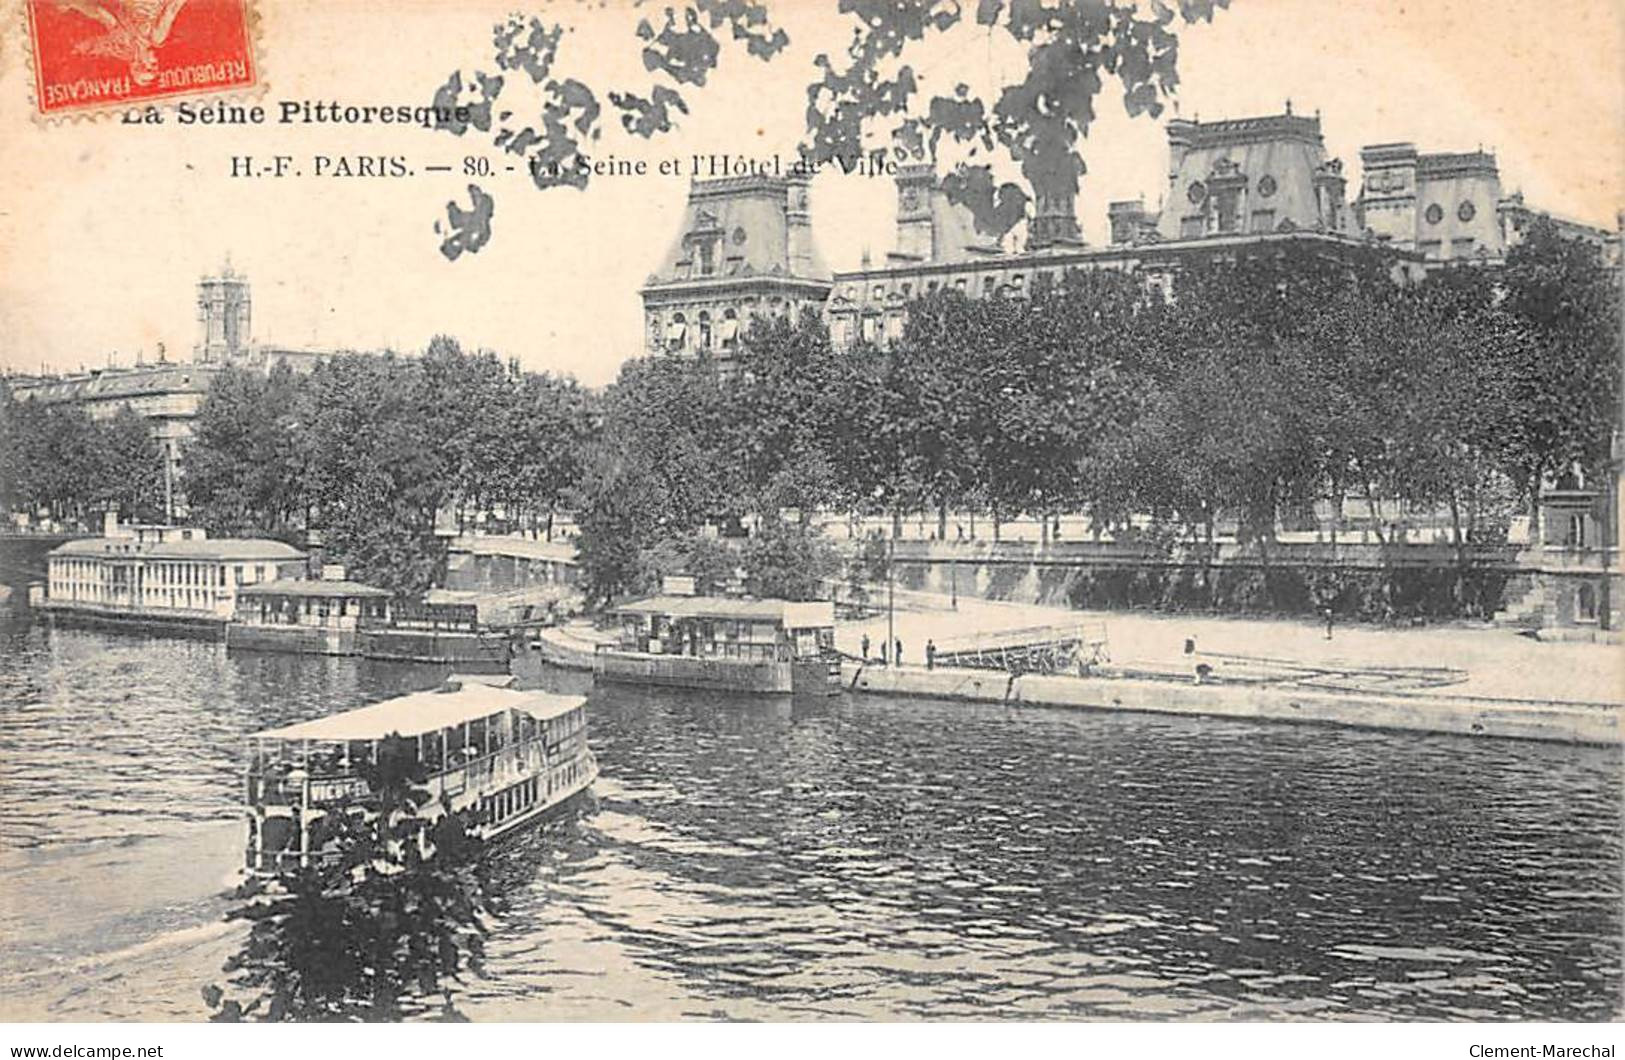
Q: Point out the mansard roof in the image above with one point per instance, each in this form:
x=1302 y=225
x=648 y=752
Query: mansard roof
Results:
x=1285 y=148
x=747 y=221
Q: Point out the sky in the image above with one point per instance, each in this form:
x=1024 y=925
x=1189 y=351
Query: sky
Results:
x=105 y=228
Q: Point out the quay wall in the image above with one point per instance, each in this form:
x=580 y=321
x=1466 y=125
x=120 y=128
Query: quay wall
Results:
x=1583 y=723
x=1363 y=581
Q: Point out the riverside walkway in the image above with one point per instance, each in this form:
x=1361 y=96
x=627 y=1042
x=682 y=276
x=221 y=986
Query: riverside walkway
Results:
x=1458 y=678
x=1467 y=659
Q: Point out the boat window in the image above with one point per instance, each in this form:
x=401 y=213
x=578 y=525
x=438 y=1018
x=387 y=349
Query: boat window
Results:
x=277 y=834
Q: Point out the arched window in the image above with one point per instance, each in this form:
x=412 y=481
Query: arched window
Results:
x=676 y=332
x=705 y=331
x=730 y=329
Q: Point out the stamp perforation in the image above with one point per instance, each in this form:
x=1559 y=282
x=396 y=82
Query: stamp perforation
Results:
x=253 y=88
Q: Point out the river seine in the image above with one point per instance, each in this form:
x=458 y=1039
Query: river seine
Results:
x=845 y=858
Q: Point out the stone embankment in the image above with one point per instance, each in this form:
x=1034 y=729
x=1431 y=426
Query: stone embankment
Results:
x=1417 y=711
x=1590 y=723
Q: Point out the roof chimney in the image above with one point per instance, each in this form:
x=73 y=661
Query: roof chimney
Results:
x=1055 y=222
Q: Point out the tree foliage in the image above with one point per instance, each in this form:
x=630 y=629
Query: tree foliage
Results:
x=372 y=450
x=381 y=925
x=864 y=102
x=56 y=459
x=1266 y=385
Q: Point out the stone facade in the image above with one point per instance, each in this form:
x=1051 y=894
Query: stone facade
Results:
x=1234 y=187
x=745 y=249
x=1451 y=207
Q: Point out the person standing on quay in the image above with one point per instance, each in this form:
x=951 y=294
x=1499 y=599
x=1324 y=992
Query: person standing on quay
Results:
x=897 y=651
x=930 y=654
x=1326 y=613
x=863 y=648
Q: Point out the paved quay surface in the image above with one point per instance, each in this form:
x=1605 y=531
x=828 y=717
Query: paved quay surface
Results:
x=1459 y=659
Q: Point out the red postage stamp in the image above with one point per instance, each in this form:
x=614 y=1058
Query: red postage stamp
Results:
x=91 y=55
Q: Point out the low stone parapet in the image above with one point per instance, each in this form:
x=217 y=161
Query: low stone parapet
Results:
x=1587 y=723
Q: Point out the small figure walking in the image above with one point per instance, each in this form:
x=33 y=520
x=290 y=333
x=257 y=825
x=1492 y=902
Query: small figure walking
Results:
x=897 y=651
x=864 y=647
x=930 y=654
x=1326 y=613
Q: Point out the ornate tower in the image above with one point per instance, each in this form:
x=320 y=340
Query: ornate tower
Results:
x=223 y=310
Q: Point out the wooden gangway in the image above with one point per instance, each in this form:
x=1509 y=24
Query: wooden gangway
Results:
x=1049 y=649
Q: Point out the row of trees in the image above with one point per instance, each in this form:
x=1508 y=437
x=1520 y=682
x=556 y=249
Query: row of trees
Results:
x=372 y=449
x=1263 y=385
x=57 y=460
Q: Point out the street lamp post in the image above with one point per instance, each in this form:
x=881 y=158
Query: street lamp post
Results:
x=890 y=651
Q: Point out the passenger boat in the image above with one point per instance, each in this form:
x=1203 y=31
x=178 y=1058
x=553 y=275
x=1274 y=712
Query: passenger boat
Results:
x=723 y=644
x=513 y=757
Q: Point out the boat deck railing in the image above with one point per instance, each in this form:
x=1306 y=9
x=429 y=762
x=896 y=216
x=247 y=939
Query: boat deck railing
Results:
x=289 y=789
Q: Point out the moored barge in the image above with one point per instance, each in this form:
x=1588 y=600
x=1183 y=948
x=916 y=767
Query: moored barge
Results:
x=723 y=644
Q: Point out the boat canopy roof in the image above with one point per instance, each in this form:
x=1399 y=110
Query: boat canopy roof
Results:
x=311 y=587
x=212 y=550
x=421 y=712
x=790 y=614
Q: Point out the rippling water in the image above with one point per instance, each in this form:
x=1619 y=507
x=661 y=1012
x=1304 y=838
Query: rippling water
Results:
x=847 y=858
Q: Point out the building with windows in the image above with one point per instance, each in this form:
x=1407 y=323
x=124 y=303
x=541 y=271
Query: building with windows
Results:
x=160 y=575
x=1450 y=207
x=745 y=249
x=1234 y=187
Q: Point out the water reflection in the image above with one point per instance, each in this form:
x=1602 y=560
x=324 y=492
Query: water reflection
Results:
x=864 y=858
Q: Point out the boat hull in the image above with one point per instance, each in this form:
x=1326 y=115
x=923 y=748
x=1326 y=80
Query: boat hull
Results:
x=484 y=652
x=307 y=640
x=749 y=677
x=684 y=671
x=557 y=805
x=186 y=624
